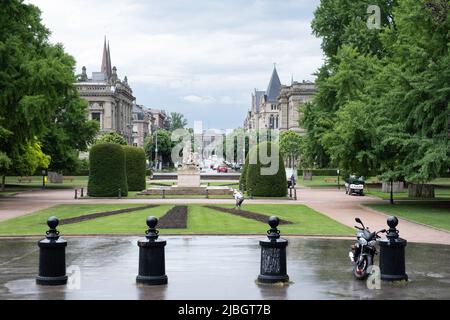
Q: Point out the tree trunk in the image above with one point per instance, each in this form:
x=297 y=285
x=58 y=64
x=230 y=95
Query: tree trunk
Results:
x=421 y=191
x=392 y=192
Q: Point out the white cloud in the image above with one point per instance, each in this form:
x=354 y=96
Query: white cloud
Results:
x=199 y=100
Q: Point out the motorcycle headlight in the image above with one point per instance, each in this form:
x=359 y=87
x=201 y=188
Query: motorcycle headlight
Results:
x=363 y=241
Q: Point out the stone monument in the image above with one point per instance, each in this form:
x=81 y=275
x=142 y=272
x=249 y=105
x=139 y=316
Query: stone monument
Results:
x=189 y=173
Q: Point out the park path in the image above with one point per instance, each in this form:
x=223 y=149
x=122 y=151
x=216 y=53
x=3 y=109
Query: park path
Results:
x=333 y=203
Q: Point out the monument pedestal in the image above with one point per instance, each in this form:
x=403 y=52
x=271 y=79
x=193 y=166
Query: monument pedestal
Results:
x=188 y=176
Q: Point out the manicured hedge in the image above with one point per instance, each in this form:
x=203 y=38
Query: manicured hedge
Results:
x=107 y=171
x=135 y=168
x=266 y=185
x=319 y=172
x=243 y=177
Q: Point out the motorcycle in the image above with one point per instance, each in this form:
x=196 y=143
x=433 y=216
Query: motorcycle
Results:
x=362 y=253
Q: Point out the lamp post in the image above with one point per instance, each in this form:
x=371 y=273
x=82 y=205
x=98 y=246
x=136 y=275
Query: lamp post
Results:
x=44 y=174
x=156 y=150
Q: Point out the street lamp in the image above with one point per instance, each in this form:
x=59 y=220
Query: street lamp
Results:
x=44 y=174
x=156 y=150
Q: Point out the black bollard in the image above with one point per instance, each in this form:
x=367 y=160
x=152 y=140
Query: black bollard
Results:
x=82 y=192
x=76 y=194
x=206 y=193
x=163 y=193
x=290 y=193
x=52 y=257
x=392 y=254
x=295 y=194
x=273 y=255
x=152 y=265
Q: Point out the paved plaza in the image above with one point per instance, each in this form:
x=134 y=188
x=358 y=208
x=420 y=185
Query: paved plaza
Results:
x=218 y=268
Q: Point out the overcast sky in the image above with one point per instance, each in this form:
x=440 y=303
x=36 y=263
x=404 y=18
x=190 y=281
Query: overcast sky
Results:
x=202 y=58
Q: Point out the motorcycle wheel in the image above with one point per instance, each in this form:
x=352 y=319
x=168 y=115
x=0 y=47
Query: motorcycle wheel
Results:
x=360 y=270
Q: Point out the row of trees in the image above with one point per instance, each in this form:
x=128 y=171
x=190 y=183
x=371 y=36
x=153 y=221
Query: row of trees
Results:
x=42 y=118
x=382 y=106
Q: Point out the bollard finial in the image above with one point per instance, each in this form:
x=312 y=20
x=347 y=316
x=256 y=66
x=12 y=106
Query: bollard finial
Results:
x=52 y=233
x=393 y=232
x=273 y=234
x=152 y=233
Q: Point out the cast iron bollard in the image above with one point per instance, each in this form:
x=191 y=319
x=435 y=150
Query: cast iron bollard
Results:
x=152 y=265
x=76 y=194
x=392 y=254
x=295 y=194
x=163 y=193
x=273 y=255
x=207 y=193
x=52 y=257
x=82 y=192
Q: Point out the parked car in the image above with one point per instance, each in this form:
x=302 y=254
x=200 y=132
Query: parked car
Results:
x=222 y=168
x=354 y=185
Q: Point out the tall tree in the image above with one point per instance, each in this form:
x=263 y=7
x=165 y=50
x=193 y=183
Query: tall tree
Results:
x=37 y=80
x=177 y=121
x=164 y=144
x=290 y=146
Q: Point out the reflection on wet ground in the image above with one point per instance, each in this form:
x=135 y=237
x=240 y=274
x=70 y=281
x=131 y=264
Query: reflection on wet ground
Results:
x=218 y=268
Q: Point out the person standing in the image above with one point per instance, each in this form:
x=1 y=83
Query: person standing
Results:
x=239 y=197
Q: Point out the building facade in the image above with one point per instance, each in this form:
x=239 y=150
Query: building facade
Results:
x=142 y=125
x=110 y=99
x=278 y=107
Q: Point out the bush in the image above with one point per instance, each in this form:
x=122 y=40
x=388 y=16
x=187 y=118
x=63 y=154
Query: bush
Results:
x=243 y=177
x=107 y=171
x=319 y=172
x=135 y=168
x=266 y=185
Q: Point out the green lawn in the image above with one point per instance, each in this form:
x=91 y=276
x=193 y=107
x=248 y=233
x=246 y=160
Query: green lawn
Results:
x=201 y=221
x=319 y=182
x=430 y=213
x=441 y=194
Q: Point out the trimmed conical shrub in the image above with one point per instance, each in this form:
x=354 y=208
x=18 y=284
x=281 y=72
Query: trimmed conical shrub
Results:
x=135 y=168
x=243 y=177
x=260 y=181
x=107 y=171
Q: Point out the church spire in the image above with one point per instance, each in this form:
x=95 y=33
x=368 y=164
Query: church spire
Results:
x=106 y=60
x=109 y=61
x=274 y=88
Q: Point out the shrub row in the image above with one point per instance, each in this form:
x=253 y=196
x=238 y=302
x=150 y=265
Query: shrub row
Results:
x=318 y=172
x=114 y=167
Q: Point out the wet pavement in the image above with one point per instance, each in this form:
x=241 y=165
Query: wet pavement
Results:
x=205 y=268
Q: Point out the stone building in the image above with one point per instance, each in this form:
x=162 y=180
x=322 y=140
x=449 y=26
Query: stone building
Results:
x=142 y=125
x=160 y=118
x=110 y=99
x=278 y=107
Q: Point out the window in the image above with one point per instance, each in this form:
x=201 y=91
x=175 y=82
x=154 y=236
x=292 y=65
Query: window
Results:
x=95 y=116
